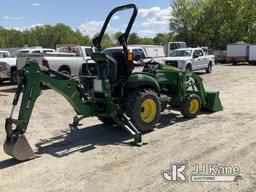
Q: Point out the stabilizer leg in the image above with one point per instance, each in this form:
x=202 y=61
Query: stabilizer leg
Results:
x=124 y=121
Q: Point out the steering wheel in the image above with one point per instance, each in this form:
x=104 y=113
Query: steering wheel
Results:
x=149 y=64
x=146 y=60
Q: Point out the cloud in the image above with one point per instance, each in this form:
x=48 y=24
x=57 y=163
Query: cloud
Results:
x=13 y=18
x=36 y=25
x=35 y=4
x=155 y=16
x=116 y=17
x=26 y=28
x=147 y=33
x=91 y=27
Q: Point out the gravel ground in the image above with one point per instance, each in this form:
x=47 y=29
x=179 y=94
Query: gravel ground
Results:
x=98 y=158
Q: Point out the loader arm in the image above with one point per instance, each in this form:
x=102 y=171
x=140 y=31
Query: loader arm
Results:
x=32 y=76
x=210 y=99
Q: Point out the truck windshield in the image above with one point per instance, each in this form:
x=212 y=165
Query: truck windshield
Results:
x=181 y=53
x=183 y=45
x=88 y=52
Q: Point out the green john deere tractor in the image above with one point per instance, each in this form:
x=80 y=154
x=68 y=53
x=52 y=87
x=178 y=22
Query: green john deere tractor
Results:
x=110 y=90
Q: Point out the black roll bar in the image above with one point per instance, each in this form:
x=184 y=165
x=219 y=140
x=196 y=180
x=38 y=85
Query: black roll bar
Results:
x=123 y=38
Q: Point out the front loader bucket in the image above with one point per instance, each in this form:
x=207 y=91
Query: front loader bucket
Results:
x=213 y=102
x=19 y=148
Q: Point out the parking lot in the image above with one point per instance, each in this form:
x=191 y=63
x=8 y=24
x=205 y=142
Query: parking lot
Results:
x=99 y=158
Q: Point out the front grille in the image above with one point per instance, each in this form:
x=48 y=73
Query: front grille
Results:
x=172 y=63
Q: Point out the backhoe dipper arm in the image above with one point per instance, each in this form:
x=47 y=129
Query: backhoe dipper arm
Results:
x=31 y=78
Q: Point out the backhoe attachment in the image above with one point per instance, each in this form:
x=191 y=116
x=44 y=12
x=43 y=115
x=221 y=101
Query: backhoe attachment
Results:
x=32 y=76
x=16 y=144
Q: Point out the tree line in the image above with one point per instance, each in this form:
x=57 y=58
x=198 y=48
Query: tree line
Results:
x=214 y=23
x=48 y=36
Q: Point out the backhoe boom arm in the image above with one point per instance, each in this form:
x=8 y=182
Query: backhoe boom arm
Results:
x=32 y=76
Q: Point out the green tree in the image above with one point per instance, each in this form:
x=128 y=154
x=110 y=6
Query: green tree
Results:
x=214 y=23
x=106 y=41
x=162 y=38
x=134 y=39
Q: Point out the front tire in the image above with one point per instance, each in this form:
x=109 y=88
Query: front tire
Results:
x=191 y=106
x=143 y=107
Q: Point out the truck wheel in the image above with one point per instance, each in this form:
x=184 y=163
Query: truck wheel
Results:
x=188 y=69
x=1 y=81
x=14 y=78
x=143 y=107
x=65 y=70
x=234 y=63
x=209 y=68
x=191 y=106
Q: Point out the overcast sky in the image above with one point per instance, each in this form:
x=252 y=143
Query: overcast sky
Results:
x=85 y=15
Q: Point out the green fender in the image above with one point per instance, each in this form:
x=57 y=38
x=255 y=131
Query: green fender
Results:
x=137 y=80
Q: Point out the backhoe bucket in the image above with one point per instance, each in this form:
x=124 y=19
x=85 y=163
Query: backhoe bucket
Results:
x=19 y=148
x=213 y=102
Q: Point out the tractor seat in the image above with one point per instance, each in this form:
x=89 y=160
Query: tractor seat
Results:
x=102 y=60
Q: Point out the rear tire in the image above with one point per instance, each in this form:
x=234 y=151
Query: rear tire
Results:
x=143 y=107
x=191 y=106
x=209 y=68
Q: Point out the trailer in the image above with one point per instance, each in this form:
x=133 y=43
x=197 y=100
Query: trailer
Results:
x=238 y=52
x=252 y=54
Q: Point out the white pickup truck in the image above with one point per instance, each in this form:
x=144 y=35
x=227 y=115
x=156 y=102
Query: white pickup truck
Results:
x=191 y=59
x=8 y=66
x=140 y=52
x=67 y=60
